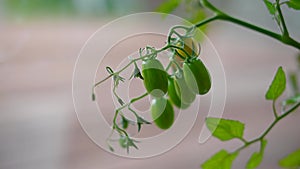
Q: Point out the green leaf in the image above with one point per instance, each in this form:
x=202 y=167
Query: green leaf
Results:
x=291 y=161
x=225 y=129
x=263 y=145
x=168 y=6
x=294 y=4
x=291 y=100
x=254 y=160
x=257 y=157
x=270 y=6
x=221 y=160
x=278 y=85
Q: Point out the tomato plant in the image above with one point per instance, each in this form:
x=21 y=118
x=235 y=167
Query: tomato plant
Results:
x=190 y=78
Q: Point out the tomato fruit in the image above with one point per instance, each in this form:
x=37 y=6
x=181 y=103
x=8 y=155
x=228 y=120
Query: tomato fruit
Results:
x=192 y=48
x=162 y=113
x=155 y=78
x=174 y=98
x=183 y=91
x=197 y=76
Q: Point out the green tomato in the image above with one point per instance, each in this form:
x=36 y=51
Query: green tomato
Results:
x=174 y=98
x=162 y=113
x=192 y=48
x=183 y=91
x=197 y=76
x=155 y=78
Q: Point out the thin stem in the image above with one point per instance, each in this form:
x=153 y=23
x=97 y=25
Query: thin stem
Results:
x=208 y=20
x=124 y=106
x=103 y=80
x=262 y=136
x=133 y=61
x=169 y=66
x=251 y=26
x=222 y=16
x=285 y=30
x=274 y=109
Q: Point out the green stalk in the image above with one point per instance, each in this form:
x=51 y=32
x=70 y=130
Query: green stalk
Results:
x=285 y=38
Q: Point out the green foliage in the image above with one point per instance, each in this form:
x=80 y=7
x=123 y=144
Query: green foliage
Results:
x=221 y=160
x=294 y=4
x=270 y=6
x=168 y=6
x=277 y=86
x=225 y=129
x=257 y=157
x=291 y=100
x=291 y=161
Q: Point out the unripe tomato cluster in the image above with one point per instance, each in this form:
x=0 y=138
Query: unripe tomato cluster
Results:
x=179 y=89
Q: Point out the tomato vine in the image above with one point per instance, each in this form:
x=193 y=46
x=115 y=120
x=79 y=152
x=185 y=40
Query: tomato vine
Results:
x=181 y=55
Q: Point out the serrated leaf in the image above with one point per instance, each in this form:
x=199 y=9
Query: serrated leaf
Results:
x=270 y=6
x=291 y=161
x=224 y=129
x=221 y=160
x=278 y=85
x=168 y=6
x=294 y=4
x=257 y=157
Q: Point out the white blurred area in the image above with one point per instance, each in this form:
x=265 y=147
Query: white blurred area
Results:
x=38 y=124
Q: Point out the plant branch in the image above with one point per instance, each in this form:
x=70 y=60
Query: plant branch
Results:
x=262 y=136
x=274 y=109
x=285 y=38
x=285 y=30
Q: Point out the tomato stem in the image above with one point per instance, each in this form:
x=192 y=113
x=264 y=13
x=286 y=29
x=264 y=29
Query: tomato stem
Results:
x=220 y=15
x=263 y=135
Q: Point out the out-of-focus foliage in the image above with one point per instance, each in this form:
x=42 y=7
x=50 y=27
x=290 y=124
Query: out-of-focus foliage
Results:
x=41 y=8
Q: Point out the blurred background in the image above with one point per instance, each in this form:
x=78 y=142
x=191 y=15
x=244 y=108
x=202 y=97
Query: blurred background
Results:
x=40 y=41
